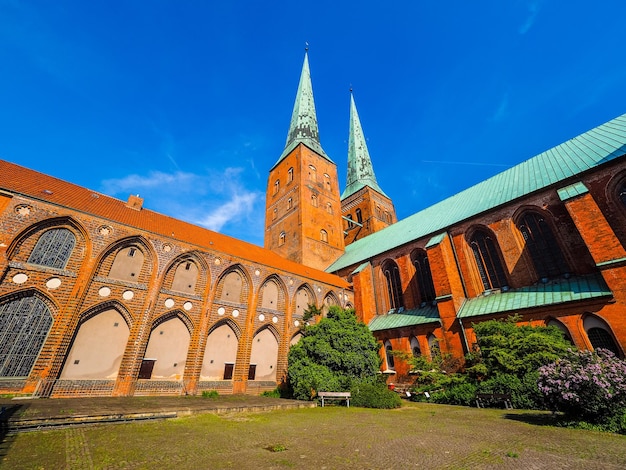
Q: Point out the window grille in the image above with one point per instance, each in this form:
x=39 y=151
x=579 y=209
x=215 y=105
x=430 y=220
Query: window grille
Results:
x=24 y=325
x=487 y=261
x=542 y=246
x=600 y=338
x=394 y=286
x=53 y=249
x=424 y=278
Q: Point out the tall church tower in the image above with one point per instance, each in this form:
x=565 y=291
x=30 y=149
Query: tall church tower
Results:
x=365 y=207
x=302 y=205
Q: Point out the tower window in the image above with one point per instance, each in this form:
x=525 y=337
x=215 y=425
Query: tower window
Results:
x=359 y=216
x=350 y=223
x=274 y=214
x=324 y=236
x=314 y=200
x=312 y=173
x=276 y=186
x=327 y=181
x=290 y=175
x=289 y=203
x=329 y=208
x=281 y=239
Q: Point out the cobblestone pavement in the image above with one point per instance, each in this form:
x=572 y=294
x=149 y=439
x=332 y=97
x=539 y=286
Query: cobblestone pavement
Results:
x=414 y=436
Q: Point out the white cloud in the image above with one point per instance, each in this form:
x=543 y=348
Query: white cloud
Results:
x=241 y=205
x=218 y=200
x=138 y=183
x=533 y=10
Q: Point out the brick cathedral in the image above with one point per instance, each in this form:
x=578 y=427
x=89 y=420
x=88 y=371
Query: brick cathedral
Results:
x=102 y=297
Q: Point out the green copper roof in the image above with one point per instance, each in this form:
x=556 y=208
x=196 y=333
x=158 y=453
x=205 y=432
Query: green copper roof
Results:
x=418 y=316
x=360 y=169
x=589 y=150
x=573 y=190
x=303 y=128
x=540 y=295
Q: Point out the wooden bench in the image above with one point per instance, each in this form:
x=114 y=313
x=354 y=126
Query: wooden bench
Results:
x=483 y=399
x=334 y=396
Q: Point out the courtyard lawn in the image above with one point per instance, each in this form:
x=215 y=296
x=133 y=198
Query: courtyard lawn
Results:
x=414 y=436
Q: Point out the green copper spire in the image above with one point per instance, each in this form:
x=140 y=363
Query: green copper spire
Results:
x=303 y=128
x=360 y=170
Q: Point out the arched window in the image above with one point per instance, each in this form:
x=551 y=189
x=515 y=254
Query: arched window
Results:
x=24 y=325
x=185 y=277
x=329 y=208
x=312 y=173
x=599 y=334
x=290 y=175
x=314 y=200
x=53 y=249
x=276 y=186
x=487 y=260
x=600 y=338
x=424 y=277
x=232 y=287
x=389 y=356
x=563 y=329
x=359 y=216
x=274 y=214
x=394 y=286
x=415 y=347
x=327 y=181
x=289 y=203
x=127 y=264
x=542 y=246
x=281 y=239
x=324 y=236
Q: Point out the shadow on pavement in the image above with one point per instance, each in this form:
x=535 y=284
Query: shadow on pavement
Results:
x=538 y=419
x=6 y=439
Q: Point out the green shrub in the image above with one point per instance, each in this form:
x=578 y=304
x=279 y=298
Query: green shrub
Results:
x=524 y=392
x=373 y=394
x=463 y=393
x=210 y=394
x=331 y=354
x=272 y=393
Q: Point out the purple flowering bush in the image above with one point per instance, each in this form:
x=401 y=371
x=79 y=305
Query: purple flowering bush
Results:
x=587 y=386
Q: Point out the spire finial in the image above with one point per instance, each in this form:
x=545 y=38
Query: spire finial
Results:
x=306 y=46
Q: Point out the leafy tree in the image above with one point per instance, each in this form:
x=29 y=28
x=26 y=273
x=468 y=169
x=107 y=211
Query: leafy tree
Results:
x=332 y=354
x=509 y=357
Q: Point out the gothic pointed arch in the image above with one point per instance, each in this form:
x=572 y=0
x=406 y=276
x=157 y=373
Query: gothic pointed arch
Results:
x=487 y=256
x=26 y=318
x=233 y=286
x=558 y=324
x=187 y=274
x=331 y=299
x=272 y=294
x=98 y=344
x=220 y=353
x=264 y=354
x=303 y=298
x=423 y=279
x=167 y=348
x=541 y=244
x=130 y=259
x=51 y=243
x=393 y=284
x=600 y=334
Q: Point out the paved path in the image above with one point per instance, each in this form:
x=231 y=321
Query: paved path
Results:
x=32 y=414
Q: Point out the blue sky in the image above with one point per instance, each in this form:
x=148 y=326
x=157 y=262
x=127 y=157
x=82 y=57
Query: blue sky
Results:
x=188 y=103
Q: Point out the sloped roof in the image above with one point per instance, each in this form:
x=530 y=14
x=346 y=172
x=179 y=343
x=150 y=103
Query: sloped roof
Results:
x=555 y=292
x=303 y=128
x=587 y=151
x=20 y=180
x=360 y=168
x=417 y=316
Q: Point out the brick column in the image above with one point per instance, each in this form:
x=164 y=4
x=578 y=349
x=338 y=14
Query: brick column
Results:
x=449 y=291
